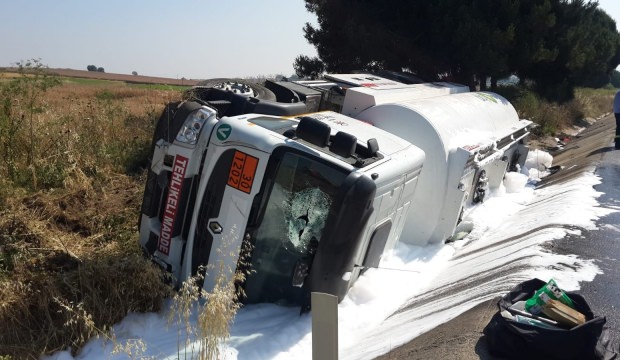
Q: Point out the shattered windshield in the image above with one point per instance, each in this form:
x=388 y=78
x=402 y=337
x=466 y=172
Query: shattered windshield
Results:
x=295 y=217
x=300 y=201
x=296 y=213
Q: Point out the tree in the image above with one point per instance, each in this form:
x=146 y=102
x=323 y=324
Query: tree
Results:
x=134 y=73
x=596 y=55
x=307 y=67
x=91 y=68
x=360 y=40
x=534 y=20
x=584 y=46
x=475 y=36
x=100 y=69
x=556 y=43
x=454 y=39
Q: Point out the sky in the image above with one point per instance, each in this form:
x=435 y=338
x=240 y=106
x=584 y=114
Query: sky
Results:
x=195 y=39
x=181 y=38
x=367 y=322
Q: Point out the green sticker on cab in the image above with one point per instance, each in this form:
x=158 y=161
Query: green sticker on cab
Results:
x=223 y=132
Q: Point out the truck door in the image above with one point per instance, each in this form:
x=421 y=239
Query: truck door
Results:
x=232 y=177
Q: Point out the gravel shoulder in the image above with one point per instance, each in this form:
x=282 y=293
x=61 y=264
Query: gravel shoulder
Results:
x=461 y=338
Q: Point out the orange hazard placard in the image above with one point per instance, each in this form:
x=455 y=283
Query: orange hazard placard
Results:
x=242 y=171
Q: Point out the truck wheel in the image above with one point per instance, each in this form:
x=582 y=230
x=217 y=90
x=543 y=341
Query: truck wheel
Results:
x=163 y=124
x=259 y=91
x=170 y=122
x=481 y=187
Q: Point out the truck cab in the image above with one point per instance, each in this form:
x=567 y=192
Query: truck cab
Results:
x=296 y=203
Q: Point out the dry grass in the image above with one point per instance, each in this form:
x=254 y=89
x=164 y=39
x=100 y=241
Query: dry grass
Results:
x=70 y=266
x=215 y=309
x=83 y=74
x=7 y=75
x=70 y=197
x=553 y=117
x=595 y=102
x=87 y=130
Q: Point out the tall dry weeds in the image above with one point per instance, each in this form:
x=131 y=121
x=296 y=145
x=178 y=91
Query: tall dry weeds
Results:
x=595 y=102
x=552 y=118
x=70 y=266
x=58 y=294
x=216 y=308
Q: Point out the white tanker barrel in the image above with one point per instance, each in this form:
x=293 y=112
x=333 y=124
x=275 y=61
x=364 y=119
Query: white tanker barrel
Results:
x=460 y=134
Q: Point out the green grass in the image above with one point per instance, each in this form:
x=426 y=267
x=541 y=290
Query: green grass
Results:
x=92 y=82
x=116 y=83
x=159 y=87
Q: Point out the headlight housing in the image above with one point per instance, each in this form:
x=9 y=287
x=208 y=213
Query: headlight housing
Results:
x=190 y=131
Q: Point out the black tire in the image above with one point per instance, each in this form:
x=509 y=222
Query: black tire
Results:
x=260 y=91
x=170 y=122
x=162 y=125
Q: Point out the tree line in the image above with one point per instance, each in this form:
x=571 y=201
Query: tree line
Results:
x=553 y=44
x=95 y=68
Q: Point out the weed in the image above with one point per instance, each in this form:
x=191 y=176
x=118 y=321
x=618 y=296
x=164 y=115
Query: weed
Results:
x=70 y=266
x=22 y=102
x=553 y=117
x=216 y=308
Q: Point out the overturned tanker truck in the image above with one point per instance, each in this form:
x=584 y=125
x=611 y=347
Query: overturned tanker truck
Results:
x=313 y=197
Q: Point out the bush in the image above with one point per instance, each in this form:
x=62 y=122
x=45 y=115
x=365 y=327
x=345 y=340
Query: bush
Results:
x=595 y=102
x=553 y=117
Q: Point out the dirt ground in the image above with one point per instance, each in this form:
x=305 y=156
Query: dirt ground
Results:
x=138 y=79
x=459 y=339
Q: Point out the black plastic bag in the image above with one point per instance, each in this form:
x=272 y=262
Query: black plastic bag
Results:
x=512 y=340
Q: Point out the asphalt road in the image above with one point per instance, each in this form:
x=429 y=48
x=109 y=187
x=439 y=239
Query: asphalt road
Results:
x=595 y=148
x=462 y=339
x=603 y=293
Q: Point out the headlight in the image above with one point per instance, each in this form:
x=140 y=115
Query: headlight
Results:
x=190 y=131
